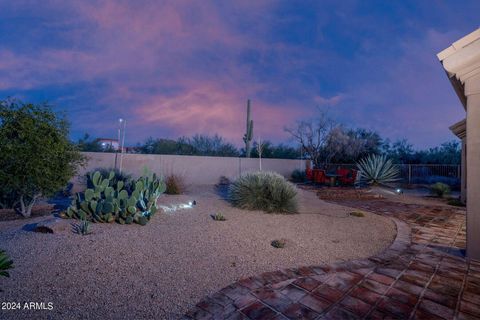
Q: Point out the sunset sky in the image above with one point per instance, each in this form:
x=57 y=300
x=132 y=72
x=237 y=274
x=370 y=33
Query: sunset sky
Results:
x=174 y=68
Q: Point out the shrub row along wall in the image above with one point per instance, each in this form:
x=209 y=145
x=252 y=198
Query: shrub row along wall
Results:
x=195 y=170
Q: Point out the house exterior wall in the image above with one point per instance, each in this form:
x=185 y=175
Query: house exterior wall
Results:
x=461 y=61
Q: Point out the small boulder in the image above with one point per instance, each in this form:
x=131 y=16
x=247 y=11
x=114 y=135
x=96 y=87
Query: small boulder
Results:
x=53 y=225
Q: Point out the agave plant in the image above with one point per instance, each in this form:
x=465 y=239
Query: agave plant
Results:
x=378 y=170
x=82 y=228
x=5 y=264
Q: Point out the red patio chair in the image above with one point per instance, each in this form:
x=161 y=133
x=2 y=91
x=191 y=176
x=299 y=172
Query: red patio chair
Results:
x=319 y=176
x=309 y=174
x=347 y=176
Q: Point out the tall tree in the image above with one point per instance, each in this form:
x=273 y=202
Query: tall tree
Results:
x=37 y=157
x=313 y=136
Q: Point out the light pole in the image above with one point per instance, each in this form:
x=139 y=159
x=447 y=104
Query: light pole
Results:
x=124 y=122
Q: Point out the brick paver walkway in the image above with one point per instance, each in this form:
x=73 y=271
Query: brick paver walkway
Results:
x=422 y=275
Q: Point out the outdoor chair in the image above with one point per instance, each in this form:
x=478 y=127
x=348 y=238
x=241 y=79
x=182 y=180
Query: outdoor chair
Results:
x=319 y=176
x=347 y=176
x=309 y=174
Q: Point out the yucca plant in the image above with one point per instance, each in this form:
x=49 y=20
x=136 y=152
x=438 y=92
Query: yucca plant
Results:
x=262 y=190
x=378 y=170
x=5 y=264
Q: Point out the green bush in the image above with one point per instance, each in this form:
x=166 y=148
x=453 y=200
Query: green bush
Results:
x=5 y=264
x=175 y=184
x=377 y=170
x=267 y=191
x=439 y=189
x=108 y=202
x=37 y=157
x=299 y=175
x=456 y=203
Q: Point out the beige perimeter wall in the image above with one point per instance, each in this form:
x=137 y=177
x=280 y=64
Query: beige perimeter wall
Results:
x=194 y=169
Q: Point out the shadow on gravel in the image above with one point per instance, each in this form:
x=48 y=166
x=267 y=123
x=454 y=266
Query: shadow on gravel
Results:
x=222 y=191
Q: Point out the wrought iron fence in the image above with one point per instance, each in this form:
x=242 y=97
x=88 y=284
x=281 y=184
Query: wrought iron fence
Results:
x=419 y=173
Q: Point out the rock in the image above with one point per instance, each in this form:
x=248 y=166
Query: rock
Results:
x=53 y=225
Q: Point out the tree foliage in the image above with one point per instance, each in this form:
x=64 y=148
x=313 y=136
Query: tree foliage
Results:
x=325 y=141
x=198 y=145
x=402 y=151
x=279 y=151
x=37 y=157
x=89 y=144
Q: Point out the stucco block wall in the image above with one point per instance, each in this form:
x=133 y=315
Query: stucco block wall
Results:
x=194 y=169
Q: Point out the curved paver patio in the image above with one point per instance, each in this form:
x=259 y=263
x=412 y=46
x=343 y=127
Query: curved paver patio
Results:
x=422 y=275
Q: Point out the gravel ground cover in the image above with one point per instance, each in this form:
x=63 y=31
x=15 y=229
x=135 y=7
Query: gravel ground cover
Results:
x=161 y=270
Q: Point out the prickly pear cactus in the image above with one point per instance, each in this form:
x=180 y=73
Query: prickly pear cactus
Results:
x=106 y=201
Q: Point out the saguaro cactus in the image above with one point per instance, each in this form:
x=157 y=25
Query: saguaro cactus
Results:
x=248 y=136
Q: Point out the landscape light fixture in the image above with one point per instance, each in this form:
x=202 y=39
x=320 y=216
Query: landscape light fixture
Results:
x=399 y=191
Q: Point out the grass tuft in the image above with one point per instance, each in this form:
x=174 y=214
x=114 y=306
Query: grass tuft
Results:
x=267 y=191
x=174 y=184
x=357 y=214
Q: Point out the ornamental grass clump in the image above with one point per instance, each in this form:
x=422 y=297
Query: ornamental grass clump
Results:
x=174 y=184
x=267 y=191
x=378 y=170
x=439 y=189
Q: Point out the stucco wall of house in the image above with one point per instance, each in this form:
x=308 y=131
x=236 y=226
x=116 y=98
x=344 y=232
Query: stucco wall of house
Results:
x=194 y=169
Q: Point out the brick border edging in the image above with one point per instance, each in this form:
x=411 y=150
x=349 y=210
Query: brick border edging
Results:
x=399 y=245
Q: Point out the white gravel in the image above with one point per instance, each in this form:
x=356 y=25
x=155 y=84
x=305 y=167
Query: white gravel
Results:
x=161 y=270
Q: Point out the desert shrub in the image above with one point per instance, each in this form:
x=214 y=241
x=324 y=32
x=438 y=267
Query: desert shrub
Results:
x=8 y=198
x=106 y=202
x=267 y=191
x=299 y=175
x=456 y=203
x=37 y=157
x=439 y=189
x=218 y=217
x=279 y=243
x=175 y=184
x=5 y=264
x=377 y=170
x=357 y=214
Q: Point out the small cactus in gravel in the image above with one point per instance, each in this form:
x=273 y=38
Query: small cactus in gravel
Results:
x=358 y=214
x=279 y=243
x=83 y=228
x=218 y=217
